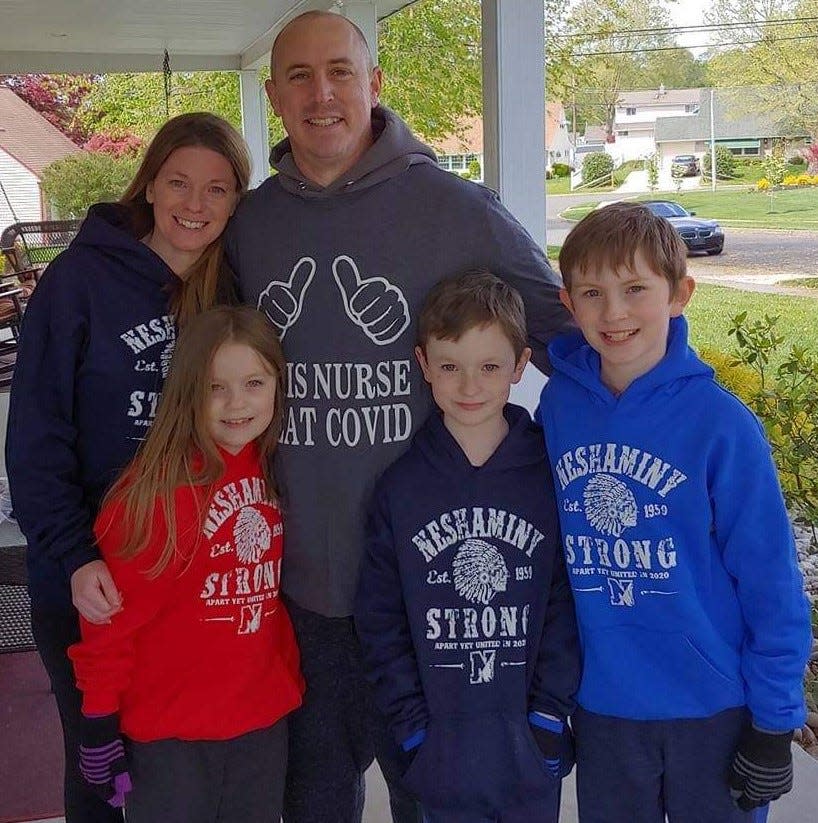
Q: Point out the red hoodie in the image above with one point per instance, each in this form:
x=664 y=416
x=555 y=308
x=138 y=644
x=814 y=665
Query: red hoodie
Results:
x=204 y=651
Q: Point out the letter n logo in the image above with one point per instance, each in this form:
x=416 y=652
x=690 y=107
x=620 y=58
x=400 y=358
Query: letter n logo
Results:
x=250 y=619
x=621 y=592
x=482 y=666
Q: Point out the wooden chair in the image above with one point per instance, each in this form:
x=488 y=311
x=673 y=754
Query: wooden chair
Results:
x=29 y=247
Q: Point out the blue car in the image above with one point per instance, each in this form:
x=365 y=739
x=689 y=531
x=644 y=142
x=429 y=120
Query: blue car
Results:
x=698 y=234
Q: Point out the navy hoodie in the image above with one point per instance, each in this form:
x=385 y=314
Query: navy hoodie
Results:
x=465 y=615
x=679 y=548
x=96 y=342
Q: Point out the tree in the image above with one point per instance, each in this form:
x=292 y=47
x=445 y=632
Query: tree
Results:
x=73 y=183
x=607 y=56
x=430 y=53
x=57 y=97
x=773 y=65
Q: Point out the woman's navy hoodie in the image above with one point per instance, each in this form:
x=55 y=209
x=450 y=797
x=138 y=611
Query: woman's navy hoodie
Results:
x=465 y=615
x=679 y=548
x=96 y=342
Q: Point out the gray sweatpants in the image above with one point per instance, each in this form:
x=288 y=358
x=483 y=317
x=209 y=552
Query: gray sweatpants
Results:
x=209 y=781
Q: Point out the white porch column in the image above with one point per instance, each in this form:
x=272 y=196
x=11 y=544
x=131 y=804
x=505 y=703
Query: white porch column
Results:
x=254 y=125
x=514 y=108
x=364 y=14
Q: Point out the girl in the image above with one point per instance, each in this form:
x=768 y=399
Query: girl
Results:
x=96 y=342
x=200 y=667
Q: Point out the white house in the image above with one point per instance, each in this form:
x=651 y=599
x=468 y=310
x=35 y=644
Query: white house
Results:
x=635 y=119
x=28 y=143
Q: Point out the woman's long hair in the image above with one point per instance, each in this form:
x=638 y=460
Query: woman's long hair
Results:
x=198 y=291
x=179 y=450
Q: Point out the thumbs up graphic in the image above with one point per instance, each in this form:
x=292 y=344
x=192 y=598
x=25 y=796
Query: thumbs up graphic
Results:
x=282 y=300
x=374 y=304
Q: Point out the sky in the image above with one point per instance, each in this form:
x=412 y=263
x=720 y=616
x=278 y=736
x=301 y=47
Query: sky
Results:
x=690 y=13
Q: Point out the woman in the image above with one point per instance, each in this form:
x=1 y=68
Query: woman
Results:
x=96 y=343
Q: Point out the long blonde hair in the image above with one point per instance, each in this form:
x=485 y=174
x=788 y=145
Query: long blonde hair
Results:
x=179 y=450
x=198 y=291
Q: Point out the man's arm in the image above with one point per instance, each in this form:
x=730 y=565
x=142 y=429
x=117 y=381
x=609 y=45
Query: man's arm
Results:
x=516 y=258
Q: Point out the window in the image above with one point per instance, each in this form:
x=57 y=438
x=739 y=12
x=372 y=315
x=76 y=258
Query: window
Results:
x=691 y=108
x=630 y=110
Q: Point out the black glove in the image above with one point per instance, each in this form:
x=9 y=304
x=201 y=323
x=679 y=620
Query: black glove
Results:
x=762 y=768
x=102 y=758
x=555 y=741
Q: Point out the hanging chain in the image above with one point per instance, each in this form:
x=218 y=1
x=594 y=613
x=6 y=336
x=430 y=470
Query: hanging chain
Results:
x=166 y=77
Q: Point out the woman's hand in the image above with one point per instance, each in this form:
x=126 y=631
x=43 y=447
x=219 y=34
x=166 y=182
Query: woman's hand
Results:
x=94 y=592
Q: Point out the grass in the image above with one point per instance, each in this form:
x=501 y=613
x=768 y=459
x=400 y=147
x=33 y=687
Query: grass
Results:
x=750 y=173
x=712 y=308
x=785 y=209
x=803 y=282
x=558 y=185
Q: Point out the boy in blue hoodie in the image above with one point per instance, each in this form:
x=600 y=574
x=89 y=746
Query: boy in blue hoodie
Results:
x=693 y=622
x=464 y=610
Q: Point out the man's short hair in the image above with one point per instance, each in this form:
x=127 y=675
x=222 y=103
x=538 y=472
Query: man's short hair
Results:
x=612 y=235
x=370 y=63
x=471 y=300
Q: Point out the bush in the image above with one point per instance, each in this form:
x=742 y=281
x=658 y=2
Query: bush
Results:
x=561 y=169
x=475 y=172
x=786 y=400
x=725 y=164
x=597 y=166
x=797 y=160
x=736 y=377
x=75 y=182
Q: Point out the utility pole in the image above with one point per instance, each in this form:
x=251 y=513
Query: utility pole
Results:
x=712 y=141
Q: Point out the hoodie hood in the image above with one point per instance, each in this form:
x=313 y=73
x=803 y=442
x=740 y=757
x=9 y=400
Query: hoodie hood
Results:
x=107 y=231
x=573 y=357
x=522 y=446
x=395 y=149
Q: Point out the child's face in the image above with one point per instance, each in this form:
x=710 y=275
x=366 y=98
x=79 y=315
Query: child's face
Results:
x=471 y=377
x=242 y=396
x=624 y=316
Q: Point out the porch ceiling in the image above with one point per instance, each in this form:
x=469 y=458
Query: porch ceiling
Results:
x=110 y=35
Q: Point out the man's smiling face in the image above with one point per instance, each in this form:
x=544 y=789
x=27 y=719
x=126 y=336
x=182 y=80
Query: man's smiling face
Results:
x=324 y=90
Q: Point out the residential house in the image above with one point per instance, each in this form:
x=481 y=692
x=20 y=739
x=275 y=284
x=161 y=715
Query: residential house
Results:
x=636 y=116
x=737 y=124
x=463 y=153
x=28 y=143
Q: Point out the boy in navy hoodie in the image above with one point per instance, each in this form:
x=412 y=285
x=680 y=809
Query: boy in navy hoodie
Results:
x=694 y=626
x=464 y=609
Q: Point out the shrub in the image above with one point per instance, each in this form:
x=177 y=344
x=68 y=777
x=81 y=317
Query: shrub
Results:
x=733 y=375
x=725 y=164
x=475 y=172
x=75 y=182
x=786 y=400
x=561 y=169
x=118 y=145
x=597 y=166
x=763 y=184
x=797 y=160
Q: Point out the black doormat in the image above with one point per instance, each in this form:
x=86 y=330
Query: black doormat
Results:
x=15 y=620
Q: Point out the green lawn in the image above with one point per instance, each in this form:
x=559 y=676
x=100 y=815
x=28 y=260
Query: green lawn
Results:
x=558 y=185
x=712 y=307
x=739 y=208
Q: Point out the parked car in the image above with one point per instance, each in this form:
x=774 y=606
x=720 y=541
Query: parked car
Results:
x=698 y=234
x=687 y=163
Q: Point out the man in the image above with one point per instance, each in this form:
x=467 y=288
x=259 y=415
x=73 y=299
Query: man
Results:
x=339 y=249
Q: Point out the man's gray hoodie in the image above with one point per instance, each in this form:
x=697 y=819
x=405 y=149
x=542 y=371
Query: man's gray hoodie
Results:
x=342 y=272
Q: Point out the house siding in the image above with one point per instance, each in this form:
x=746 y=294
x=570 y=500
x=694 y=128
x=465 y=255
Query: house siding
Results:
x=23 y=190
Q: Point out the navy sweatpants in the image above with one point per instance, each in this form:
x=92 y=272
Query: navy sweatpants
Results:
x=337 y=732
x=548 y=812
x=54 y=632
x=633 y=771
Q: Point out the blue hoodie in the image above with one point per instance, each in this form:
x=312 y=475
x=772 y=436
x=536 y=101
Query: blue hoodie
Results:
x=465 y=616
x=679 y=549
x=96 y=343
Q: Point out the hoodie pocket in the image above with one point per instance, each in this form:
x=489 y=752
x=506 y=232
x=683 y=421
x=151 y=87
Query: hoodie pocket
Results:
x=479 y=764
x=653 y=675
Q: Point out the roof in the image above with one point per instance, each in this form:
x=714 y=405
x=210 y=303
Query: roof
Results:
x=470 y=139
x=732 y=120
x=28 y=137
x=658 y=97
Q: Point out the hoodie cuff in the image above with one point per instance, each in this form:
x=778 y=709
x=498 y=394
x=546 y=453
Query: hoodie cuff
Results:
x=414 y=740
x=77 y=558
x=546 y=721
